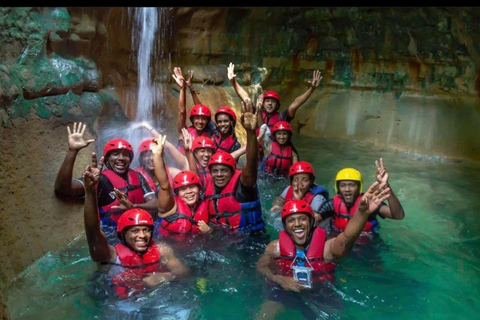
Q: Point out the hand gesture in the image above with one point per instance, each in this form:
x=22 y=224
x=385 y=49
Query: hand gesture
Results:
x=190 y=78
x=382 y=173
x=299 y=190
x=230 y=74
x=259 y=105
x=289 y=283
x=374 y=196
x=178 y=76
x=91 y=175
x=123 y=199
x=75 y=138
x=187 y=140
x=158 y=145
x=204 y=228
x=316 y=79
x=249 y=116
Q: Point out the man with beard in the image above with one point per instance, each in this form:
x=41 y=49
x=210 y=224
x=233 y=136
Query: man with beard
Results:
x=303 y=259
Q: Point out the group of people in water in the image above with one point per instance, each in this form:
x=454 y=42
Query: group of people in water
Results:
x=129 y=213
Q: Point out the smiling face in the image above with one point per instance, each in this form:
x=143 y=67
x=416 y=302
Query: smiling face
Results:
x=282 y=136
x=221 y=175
x=270 y=105
x=203 y=155
x=138 y=237
x=189 y=194
x=298 y=226
x=199 y=122
x=119 y=160
x=224 y=123
x=348 y=189
x=146 y=160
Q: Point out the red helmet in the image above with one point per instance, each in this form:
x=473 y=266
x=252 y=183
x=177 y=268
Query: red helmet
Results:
x=144 y=146
x=272 y=94
x=222 y=157
x=202 y=142
x=200 y=110
x=227 y=110
x=117 y=144
x=301 y=167
x=281 y=126
x=134 y=217
x=296 y=206
x=185 y=178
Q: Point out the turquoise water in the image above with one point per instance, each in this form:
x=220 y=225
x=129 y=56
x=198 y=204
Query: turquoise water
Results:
x=425 y=266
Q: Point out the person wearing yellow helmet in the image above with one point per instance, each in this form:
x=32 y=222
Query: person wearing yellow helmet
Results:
x=349 y=190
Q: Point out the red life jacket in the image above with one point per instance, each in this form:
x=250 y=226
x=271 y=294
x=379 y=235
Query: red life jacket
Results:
x=270 y=120
x=132 y=188
x=226 y=144
x=343 y=215
x=184 y=221
x=279 y=161
x=311 y=193
x=322 y=270
x=150 y=181
x=136 y=266
x=225 y=210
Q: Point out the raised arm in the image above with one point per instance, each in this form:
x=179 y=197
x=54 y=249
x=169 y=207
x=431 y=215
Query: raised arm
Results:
x=292 y=109
x=182 y=106
x=64 y=185
x=340 y=246
x=166 y=201
x=394 y=210
x=100 y=251
x=195 y=98
x=187 y=146
x=233 y=80
x=249 y=122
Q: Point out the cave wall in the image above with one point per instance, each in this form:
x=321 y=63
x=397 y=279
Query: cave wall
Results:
x=402 y=78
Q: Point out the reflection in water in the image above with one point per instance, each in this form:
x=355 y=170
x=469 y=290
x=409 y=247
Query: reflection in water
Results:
x=427 y=264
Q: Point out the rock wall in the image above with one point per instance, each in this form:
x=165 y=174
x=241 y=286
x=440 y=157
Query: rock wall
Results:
x=402 y=78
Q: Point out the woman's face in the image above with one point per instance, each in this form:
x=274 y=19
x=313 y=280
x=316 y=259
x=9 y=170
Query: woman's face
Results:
x=282 y=136
x=224 y=123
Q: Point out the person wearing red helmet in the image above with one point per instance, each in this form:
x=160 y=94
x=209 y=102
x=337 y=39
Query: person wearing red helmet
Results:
x=198 y=153
x=270 y=100
x=302 y=258
x=145 y=264
x=200 y=115
x=146 y=167
x=302 y=186
x=232 y=195
x=282 y=154
x=224 y=137
x=184 y=212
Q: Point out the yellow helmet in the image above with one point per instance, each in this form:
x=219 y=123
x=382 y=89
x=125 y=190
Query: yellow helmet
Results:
x=349 y=174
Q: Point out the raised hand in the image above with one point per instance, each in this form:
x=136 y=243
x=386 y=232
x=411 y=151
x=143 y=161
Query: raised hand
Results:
x=316 y=79
x=178 y=76
x=259 y=105
x=230 y=73
x=375 y=195
x=299 y=190
x=190 y=78
x=158 y=145
x=382 y=173
x=249 y=116
x=187 y=139
x=75 y=138
x=91 y=175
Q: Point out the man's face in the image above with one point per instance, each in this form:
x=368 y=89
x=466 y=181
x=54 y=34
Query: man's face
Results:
x=270 y=105
x=302 y=182
x=199 y=122
x=138 y=237
x=189 y=194
x=119 y=160
x=146 y=159
x=221 y=175
x=348 y=190
x=224 y=123
x=298 y=227
x=203 y=155
x=282 y=136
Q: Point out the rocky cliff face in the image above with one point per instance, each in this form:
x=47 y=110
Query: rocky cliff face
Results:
x=402 y=78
